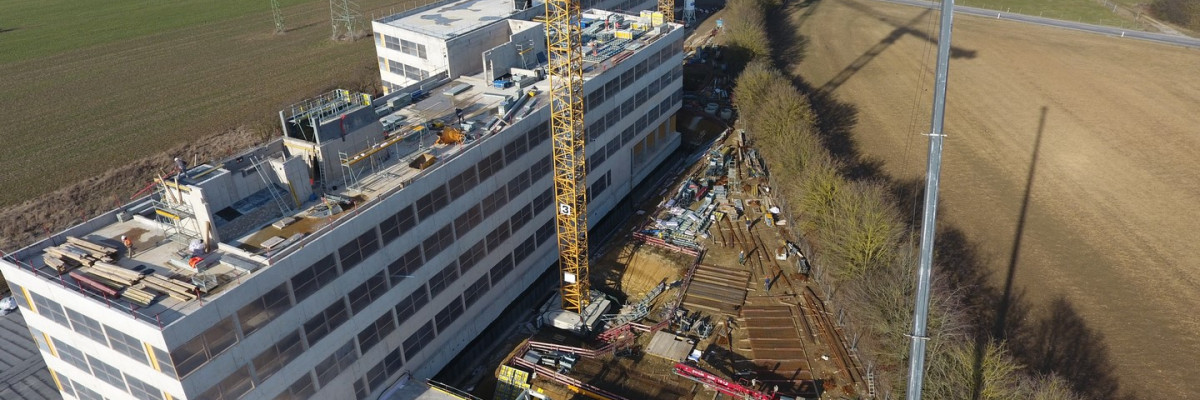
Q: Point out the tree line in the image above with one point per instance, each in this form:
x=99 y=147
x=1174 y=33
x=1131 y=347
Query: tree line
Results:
x=863 y=250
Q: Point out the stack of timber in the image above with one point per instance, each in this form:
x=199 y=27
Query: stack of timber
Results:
x=139 y=295
x=77 y=252
x=173 y=288
x=115 y=274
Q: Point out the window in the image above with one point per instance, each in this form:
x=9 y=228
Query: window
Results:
x=515 y=149
x=538 y=135
x=613 y=86
x=392 y=227
x=405 y=266
x=411 y=304
x=369 y=291
x=471 y=256
x=303 y=388
x=490 y=165
x=596 y=160
x=358 y=249
x=627 y=134
x=49 y=309
x=497 y=236
x=375 y=332
x=543 y=201
x=203 y=347
x=164 y=362
x=520 y=217
x=260 y=311
x=107 y=373
x=18 y=293
x=627 y=78
x=232 y=387
x=524 y=249
x=594 y=99
x=275 y=357
x=40 y=339
x=127 y=345
x=437 y=242
x=540 y=168
x=70 y=354
x=443 y=279
x=613 y=117
x=418 y=340
x=546 y=231
x=430 y=203
x=337 y=362
x=85 y=393
x=468 y=220
x=462 y=183
x=87 y=326
x=494 y=201
x=311 y=279
x=518 y=184
x=476 y=291
x=595 y=130
x=501 y=269
x=142 y=390
x=613 y=146
x=326 y=321
x=665 y=106
x=451 y=312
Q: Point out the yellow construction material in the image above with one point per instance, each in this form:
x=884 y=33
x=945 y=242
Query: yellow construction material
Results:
x=564 y=43
x=450 y=135
x=166 y=214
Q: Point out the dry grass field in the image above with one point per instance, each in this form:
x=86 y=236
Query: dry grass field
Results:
x=111 y=97
x=1069 y=165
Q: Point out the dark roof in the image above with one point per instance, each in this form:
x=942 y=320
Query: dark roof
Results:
x=23 y=374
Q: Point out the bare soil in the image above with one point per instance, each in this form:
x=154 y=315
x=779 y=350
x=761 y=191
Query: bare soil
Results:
x=1069 y=164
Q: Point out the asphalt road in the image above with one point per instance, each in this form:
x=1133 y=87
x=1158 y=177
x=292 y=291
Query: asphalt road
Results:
x=1103 y=30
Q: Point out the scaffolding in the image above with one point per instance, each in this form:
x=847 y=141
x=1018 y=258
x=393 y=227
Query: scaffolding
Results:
x=270 y=185
x=171 y=210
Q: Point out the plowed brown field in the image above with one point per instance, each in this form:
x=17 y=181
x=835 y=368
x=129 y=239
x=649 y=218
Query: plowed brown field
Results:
x=1113 y=215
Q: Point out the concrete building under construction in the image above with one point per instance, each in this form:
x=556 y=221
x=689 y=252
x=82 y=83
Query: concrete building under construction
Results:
x=368 y=245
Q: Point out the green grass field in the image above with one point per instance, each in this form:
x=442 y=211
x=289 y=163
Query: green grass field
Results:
x=1089 y=11
x=34 y=28
x=93 y=85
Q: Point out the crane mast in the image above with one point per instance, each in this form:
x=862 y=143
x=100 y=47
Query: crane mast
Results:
x=564 y=43
x=667 y=8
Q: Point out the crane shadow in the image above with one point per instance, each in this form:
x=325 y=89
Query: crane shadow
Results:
x=900 y=31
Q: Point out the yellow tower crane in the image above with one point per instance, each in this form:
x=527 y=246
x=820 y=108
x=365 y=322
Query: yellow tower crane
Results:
x=564 y=43
x=667 y=8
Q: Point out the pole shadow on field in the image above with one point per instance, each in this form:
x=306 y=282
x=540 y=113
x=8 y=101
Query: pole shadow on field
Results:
x=1006 y=297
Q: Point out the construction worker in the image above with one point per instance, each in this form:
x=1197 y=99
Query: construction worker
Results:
x=128 y=245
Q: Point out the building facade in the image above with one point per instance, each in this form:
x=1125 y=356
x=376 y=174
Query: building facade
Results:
x=422 y=260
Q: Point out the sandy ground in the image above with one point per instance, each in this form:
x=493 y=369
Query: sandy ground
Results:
x=1113 y=206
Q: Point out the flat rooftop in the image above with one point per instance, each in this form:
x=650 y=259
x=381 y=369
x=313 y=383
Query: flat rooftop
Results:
x=453 y=18
x=235 y=258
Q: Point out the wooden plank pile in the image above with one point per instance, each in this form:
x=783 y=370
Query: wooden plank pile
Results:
x=171 y=287
x=76 y=252
x=114 y=280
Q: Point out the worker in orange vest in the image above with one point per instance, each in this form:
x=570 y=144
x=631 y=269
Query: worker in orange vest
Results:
x=128 y=245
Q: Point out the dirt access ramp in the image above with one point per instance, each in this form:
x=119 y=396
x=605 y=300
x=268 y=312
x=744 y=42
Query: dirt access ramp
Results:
x=1098 y=194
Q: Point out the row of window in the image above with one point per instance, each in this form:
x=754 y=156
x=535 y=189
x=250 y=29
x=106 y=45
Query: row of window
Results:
x=614 y=116
x=402 y=69
x=100 y=333
x=79 y=391
x=105 y=372
x=404 y=46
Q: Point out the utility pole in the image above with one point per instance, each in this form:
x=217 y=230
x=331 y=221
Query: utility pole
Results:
x=343 y=15
x=278 y=16
x=916 y=354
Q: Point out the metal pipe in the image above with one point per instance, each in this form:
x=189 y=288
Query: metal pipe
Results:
x=916 y=366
